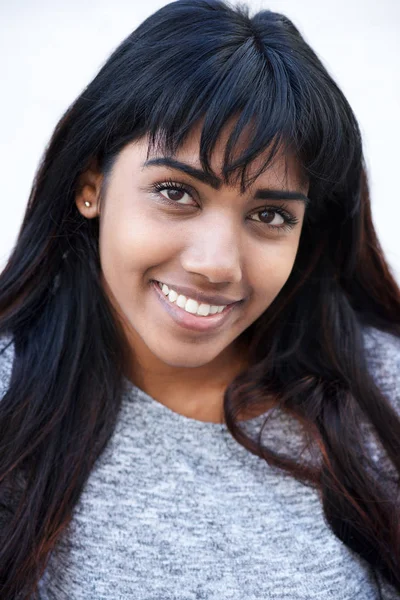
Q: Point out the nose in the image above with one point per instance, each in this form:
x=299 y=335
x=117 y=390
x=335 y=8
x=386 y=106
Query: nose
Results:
x=214 y=251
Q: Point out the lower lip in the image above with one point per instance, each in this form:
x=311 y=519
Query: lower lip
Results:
x=194 y=322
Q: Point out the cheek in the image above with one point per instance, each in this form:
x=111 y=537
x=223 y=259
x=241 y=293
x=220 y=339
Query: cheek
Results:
x=272 y=269
x=131 y=242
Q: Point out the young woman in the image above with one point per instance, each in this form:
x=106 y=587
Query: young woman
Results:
x=200 y=334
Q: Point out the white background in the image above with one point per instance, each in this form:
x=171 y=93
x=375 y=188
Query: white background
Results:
x=51 y=49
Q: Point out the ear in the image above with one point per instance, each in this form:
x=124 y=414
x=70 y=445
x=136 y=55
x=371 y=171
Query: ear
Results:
x=88 y=190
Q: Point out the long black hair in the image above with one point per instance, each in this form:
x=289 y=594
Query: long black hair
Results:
x=191 y=60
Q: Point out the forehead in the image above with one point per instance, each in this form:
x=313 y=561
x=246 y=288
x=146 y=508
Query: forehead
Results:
x=284 y=168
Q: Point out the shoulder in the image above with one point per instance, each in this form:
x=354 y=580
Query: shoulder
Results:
x=380 y=345
x=383 y=360
x=6 y=362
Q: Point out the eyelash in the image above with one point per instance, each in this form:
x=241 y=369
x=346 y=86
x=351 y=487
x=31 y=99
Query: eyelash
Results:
x=290 y=220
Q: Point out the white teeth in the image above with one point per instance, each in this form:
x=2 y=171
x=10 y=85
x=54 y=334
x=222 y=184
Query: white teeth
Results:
x=188 y=304
x=181 y=301
x=172 y=295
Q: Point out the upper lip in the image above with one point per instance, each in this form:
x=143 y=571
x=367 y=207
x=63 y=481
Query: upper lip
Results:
x=200 y=296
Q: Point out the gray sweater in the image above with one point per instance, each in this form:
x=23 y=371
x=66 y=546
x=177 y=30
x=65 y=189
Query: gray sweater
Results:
x=176 y=509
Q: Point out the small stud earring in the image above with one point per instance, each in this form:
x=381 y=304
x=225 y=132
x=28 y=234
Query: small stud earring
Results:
x=87 y=203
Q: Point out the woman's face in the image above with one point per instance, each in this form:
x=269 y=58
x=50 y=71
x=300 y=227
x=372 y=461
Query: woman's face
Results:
x=202 y=235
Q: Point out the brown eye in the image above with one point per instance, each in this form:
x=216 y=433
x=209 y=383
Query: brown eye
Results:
x=269 y=216
x=277 y=219
x=174 y=194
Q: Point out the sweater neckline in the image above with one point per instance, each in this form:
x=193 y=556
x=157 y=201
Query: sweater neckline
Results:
x=164 y=412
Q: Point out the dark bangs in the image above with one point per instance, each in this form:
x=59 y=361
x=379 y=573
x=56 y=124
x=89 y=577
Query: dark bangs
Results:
x=205 y=60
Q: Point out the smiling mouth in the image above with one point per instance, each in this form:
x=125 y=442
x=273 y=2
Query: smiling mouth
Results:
x=192 y=305
x=192 y=321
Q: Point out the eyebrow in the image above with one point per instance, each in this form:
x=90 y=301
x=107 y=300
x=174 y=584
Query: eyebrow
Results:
x=215 y=182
